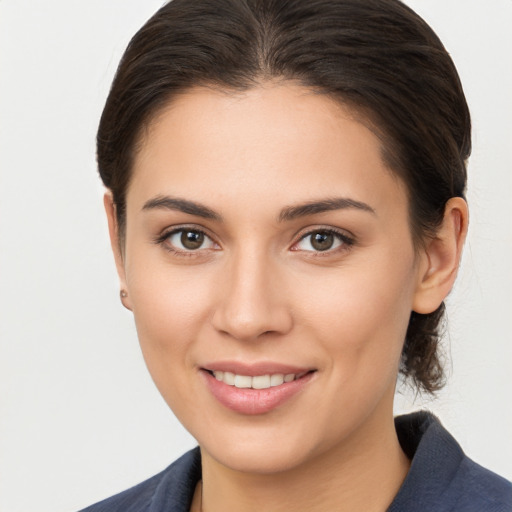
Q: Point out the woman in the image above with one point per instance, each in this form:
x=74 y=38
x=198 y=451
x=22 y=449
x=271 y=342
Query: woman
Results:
x=286 y=208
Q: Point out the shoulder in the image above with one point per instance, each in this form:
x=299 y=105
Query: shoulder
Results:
x=442 y=478
x=477 y=488
x=172 y=489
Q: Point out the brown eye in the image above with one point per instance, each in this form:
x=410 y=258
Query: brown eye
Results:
x=185 y=240
x=192 y=239
x=322 y=241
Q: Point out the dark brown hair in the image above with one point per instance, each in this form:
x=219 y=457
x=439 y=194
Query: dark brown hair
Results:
x=376 y=56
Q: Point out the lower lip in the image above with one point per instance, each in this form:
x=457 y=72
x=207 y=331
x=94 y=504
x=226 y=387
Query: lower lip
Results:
x=254 y=401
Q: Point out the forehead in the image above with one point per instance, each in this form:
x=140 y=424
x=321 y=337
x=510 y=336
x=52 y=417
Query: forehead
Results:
x=276 y=141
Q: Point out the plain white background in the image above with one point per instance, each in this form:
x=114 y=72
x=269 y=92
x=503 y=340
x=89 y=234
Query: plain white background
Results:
x=79 y=416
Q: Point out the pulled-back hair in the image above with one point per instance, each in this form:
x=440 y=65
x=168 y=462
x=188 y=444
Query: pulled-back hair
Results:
x=375 y=56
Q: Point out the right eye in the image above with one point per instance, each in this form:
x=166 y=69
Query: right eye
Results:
x=188 y=240
x=323 y=241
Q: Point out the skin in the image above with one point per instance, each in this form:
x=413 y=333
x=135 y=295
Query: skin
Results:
x=257 y=290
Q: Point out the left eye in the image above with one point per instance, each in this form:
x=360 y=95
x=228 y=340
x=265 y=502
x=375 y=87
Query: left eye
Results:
x=320 y=241
x=190 y=240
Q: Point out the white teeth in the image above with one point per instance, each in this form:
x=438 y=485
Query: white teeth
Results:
x=276 y=379
x=261 y=382
x=243 y=381
x=256 y=382
x=229 y=378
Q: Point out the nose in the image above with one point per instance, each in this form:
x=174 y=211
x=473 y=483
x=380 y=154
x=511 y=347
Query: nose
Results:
x=252 y=303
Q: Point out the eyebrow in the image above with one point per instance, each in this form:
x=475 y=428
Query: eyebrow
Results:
x=325 y=205
x=287 y=214
x=181 y=205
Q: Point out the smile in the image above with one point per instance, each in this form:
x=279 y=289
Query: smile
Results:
x=257 y=381
x=261 y=392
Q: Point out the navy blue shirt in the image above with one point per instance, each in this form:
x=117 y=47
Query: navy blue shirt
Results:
x=441 y=478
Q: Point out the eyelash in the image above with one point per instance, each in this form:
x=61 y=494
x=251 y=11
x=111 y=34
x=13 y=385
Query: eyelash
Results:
x=346 y=241
x=163 y=240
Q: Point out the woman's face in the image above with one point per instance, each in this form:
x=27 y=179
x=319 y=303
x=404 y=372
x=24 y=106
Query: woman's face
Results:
x=267 y=243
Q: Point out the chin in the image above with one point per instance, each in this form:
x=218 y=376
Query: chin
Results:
x=258 y=451
x=258 y=459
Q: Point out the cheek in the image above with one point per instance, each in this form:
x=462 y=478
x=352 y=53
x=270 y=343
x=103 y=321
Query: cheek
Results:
x=169 y=315
x=170 y=308
x=361 y=316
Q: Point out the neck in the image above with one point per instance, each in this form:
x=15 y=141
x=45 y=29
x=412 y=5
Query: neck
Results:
x=362 y=473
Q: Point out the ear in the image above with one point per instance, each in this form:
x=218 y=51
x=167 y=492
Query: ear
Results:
x=115 y=243
x=441 y=257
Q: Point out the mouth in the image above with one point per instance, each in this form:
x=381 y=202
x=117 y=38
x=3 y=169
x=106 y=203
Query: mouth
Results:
x=257 y=381
x=255 y=391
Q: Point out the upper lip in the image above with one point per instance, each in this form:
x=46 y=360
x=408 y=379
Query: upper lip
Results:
x=254 y=369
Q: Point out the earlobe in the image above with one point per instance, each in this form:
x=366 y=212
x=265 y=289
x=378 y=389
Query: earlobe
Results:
x=115 y=243
x=441 y=258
